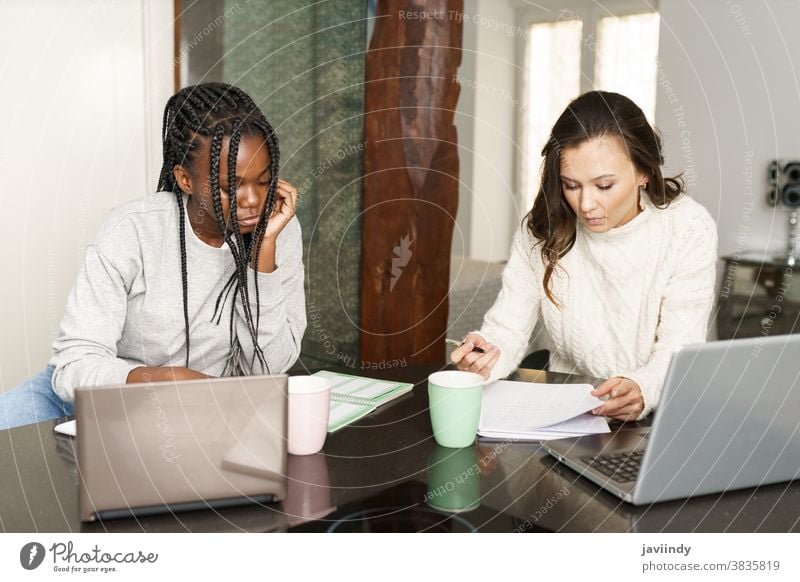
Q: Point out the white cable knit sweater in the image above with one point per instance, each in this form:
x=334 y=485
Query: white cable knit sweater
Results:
x=629 y=296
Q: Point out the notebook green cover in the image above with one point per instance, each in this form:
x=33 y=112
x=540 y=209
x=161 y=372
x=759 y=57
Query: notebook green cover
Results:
x=354 y=397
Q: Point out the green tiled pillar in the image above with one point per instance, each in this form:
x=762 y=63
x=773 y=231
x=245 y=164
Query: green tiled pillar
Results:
x=303 y=61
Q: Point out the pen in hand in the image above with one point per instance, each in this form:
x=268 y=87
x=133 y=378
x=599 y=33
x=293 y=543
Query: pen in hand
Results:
x=458 y=344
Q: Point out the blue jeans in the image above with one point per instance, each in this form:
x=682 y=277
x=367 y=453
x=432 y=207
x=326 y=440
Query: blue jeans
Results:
x=32 y=401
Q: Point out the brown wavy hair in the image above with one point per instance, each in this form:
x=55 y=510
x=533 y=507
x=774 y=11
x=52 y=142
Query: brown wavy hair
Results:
x=594 y=114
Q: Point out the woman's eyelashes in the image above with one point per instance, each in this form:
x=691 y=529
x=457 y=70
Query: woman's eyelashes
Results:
x=569 y=186
x=223 y=188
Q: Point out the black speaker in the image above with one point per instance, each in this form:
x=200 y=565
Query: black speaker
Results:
x=772 y=196
x=791 y=195
x=773 y=172
x=783 y=177
x=791 y=172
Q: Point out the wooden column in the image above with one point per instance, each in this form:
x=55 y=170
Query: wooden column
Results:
x=410 y=179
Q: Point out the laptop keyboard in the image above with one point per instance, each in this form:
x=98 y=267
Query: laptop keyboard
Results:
x=622 y=467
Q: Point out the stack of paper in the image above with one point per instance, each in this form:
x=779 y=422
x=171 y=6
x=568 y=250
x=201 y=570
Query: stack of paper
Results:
x=533 y=411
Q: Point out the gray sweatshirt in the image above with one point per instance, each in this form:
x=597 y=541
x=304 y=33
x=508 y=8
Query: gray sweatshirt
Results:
x=126 y=307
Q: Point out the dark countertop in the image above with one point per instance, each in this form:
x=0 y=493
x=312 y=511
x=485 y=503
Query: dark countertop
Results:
x=386 y=473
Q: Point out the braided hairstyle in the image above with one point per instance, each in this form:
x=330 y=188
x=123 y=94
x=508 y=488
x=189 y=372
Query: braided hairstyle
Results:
x=201 y=116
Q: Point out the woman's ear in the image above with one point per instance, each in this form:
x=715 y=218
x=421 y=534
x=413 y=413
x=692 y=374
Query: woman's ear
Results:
x=182 y=179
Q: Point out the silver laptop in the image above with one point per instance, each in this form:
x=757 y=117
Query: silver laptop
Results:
x=172 y=446
x=728 y=418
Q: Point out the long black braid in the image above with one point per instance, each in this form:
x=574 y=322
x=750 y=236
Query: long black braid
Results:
x=202 y=116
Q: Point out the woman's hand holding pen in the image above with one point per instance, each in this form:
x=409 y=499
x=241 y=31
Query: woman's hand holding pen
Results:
x=467 y=359
x=625 y=400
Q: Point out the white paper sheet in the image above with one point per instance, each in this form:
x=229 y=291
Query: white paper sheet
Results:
x=534 y=411
x=578 y=426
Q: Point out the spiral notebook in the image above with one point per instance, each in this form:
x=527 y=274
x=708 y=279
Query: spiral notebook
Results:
x=354 y=397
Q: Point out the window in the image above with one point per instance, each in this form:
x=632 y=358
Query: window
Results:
x=553 y=58
x=569 y=51
x=620 y=69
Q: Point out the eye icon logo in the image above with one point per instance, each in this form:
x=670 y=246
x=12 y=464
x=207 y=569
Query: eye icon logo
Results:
x=31 y=555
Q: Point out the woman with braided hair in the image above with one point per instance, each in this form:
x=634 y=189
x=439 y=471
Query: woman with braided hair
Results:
x=202 y=279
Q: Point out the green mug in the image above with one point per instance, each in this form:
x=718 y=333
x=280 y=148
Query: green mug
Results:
x=454 y=398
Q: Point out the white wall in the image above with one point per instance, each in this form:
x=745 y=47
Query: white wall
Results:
x=84 y=84
x=729 y=101
x=485 y=118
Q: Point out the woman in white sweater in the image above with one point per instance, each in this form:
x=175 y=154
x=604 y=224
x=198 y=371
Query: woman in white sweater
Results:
x=614 y=258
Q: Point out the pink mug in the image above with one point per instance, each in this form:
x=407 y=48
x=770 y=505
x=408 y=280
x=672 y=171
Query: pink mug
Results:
x=309 y=407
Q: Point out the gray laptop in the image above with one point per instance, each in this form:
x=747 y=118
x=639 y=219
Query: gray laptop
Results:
x=728 y=418
x=173 y=446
